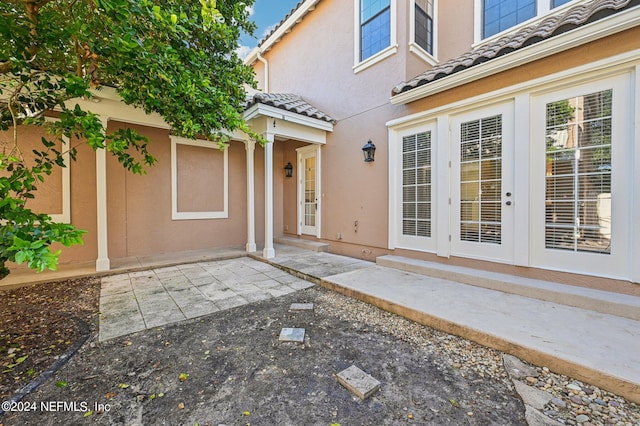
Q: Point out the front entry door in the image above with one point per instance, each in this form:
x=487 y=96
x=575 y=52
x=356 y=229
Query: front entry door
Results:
x=308 y=184
x=482 y=185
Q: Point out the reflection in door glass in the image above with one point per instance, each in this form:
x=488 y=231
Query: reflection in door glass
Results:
x=481 y=180
x=310 y=191
x=578 y=174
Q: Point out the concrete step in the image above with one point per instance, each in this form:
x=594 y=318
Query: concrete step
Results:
x=605 y=302
x=316 y=246
x=597 y=348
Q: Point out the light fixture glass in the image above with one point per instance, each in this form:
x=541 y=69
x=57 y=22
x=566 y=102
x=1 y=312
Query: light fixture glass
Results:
x=369 y=150
x=288 y=170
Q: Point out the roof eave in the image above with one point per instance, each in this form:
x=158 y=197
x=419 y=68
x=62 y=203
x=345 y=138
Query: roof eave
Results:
x=274 y=112
x=560 y=43
x=285 y=27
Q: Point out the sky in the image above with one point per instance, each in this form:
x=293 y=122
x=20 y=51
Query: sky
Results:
x=266 y=14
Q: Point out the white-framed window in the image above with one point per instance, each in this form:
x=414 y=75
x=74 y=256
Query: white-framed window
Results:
x=423 y=34
x=413 y=188
x=375 y=34
x=580 y=147
x=199 y=180
x=496 y=16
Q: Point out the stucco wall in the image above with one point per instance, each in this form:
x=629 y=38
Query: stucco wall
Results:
x=139 y=219
x=48 y=197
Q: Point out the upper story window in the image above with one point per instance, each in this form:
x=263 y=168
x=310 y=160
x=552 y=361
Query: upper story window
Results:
x=423 y=35
x=500 y=15
x=375 y=27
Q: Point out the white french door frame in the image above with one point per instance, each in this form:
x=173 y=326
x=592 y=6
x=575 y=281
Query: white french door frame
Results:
x=503 y=252
x=618 y=264
x=304 y=153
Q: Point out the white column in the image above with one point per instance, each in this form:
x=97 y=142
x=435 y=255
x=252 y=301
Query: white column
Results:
x=268 y=251
x=250 y=147
x=102 y=262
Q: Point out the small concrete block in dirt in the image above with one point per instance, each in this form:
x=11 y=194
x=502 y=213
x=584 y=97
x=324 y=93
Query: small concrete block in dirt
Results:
x=358 y=382
x=301 y=307
x=292 y=335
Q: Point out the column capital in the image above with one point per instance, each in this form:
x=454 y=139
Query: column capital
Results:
x=270 y=137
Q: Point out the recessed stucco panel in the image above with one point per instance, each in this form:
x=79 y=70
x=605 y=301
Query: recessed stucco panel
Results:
x=48 y=197
x=49 y=194
x=200 y=178
x=146 y=219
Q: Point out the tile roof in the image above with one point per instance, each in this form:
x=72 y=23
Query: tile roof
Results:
x=289 y=102
x=552 y=26
x=279 y=24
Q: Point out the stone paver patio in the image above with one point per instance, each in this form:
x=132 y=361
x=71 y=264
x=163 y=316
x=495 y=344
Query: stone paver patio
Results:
x=135 y=301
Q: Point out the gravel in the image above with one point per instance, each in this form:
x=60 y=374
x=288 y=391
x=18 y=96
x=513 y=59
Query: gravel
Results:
x=574 y=402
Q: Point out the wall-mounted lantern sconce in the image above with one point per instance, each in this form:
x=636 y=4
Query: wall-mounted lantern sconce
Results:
x=369 y=150
x=288 y=170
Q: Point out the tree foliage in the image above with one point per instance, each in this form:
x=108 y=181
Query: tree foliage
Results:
x=172 y=57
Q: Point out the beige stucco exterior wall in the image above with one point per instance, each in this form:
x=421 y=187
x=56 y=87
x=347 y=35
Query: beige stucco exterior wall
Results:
x=49 y=195
x=354 y=194
x=139 y=206
x=320 y=69
x=454 y=34
x=83 y=206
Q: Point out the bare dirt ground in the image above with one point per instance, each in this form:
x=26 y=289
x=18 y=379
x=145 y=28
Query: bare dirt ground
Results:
x=230 y=368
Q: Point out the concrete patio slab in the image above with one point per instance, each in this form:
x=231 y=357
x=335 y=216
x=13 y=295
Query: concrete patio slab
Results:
x=146 y=299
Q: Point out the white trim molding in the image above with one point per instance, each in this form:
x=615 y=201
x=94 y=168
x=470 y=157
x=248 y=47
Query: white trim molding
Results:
x=302 y=151
x=250 y=147
x=396 y=237
x=414 y=47
x=392 y=49
x=177 y=215
x=102 y=262
x=268 y=252
x=65 y=215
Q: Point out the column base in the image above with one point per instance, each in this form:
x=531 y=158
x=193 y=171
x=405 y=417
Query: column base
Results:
x=268 y=253
x=251 y=247
x=103 y=265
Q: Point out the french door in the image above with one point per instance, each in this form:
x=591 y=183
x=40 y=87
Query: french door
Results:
x=482 y=197
x=308 y=191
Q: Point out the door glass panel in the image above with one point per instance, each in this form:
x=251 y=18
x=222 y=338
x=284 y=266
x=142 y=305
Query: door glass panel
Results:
x=416 y=185
x=481 y=180
x=310 y=191
x=578 y=173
